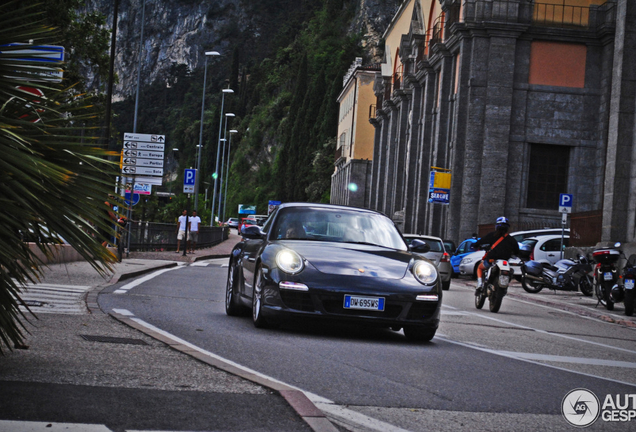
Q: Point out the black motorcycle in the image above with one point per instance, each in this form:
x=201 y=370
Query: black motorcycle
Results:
x=564 y=275
x=606 y=276
x=629 y=277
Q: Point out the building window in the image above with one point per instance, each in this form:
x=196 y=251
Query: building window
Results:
x=557 y=64
x=547 y=175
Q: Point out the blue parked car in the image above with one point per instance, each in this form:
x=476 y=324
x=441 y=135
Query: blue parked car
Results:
x=463 y=250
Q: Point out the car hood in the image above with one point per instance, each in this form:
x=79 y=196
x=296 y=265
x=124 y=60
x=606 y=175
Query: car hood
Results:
x=353 y=259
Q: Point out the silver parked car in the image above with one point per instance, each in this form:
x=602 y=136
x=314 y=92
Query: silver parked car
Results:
x=437 y=254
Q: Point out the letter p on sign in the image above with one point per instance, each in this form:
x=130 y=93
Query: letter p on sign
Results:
x=565 y=203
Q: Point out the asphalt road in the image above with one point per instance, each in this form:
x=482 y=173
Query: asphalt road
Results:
x=483 y=371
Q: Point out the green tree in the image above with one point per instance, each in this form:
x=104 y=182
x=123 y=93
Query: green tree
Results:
x=53 y=178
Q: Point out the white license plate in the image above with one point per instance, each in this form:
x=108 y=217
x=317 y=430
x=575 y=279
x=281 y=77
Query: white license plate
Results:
x=366 y=303
x=629 y=283
x=608 y=276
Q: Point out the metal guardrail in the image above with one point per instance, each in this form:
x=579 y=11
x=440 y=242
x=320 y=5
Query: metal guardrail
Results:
x=154 y=236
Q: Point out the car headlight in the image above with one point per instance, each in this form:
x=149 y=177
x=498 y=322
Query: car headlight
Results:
x=467 y=260
x=289 y=261
x=424 y=272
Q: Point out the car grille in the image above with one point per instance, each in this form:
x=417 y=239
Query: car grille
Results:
x=421 y=310
x=297 y=300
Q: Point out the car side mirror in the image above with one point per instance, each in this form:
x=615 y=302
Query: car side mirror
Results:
x=419 y=246
x=252 y=232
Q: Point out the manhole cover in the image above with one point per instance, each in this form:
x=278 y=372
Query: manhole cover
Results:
x=110 y=339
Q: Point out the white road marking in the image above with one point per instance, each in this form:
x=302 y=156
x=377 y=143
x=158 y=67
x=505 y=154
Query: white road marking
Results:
x=329 y=407
x=567 y=359
x=53 y=298
x=124 y=289
x=27 y=426
x=513 y=356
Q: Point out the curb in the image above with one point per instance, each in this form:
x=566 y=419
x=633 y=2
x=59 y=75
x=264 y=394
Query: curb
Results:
x=296 y=399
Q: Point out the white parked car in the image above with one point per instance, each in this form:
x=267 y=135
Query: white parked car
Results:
x=546 y=248
x=437 y=254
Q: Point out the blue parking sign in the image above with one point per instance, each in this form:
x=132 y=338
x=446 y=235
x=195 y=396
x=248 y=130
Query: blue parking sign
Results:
x=565 y=203
x=189 y=179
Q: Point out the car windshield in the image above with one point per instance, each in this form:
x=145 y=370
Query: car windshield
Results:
x=336 y=225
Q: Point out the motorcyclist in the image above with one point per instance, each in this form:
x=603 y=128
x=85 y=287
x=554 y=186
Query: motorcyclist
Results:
x=500 y=245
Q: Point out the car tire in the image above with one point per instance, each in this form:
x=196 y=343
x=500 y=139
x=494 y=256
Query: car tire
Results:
x=419 y=334
x=474 y=275
x=446 y=285
x=257 y=301
x=232 y=306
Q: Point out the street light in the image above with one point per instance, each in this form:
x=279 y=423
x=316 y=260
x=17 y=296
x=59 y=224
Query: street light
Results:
x=223 y=161
x=218 y=150
x=196 y=178
x=227 y=173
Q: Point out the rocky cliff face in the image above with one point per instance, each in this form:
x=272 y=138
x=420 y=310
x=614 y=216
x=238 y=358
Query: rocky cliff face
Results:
x=180 y=31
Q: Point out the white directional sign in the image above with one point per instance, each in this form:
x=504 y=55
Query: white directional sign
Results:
x=143 y=180
x=140 y=145
x=157 y=163
x=136 y=170
x=128 y=136
x=143 y=154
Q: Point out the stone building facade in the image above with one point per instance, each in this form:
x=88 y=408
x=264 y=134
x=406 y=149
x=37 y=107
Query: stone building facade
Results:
x=520 y=100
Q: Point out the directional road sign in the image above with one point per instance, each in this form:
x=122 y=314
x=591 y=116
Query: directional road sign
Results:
x=145 y=171
x=189 y=180
x=131 y=136
x=140 y=145
x=157 y=163
x=565 y=203
x=144 y=154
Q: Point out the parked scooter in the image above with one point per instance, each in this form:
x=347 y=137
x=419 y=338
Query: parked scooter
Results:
x=629 y=277
x=495 y=287
x=606 y=276
x=564 y=275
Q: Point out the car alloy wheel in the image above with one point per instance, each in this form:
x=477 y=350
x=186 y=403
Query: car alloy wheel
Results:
x=257 y=301
x=232 y=308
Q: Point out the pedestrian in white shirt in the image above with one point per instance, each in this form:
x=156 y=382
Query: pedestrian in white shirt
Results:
x=181 y=229
x=193 y=236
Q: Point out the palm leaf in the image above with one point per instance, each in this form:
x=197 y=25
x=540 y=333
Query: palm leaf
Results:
x=54 y=175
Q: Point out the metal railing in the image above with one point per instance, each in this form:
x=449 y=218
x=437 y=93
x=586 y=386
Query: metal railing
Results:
x=154 y=236
x=560 y=15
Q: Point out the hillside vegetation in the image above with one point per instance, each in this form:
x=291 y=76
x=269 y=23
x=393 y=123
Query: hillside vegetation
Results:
x=286 y=84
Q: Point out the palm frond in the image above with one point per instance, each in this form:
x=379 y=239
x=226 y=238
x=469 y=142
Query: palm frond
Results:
x=54 y=175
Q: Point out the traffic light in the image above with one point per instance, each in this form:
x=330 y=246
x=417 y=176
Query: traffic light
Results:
x=214 y=176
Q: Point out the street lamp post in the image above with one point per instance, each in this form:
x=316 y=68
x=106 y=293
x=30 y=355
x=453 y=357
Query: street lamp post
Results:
x=227 y=173
x=196 y=179
x=222 y=195
x=218 y=150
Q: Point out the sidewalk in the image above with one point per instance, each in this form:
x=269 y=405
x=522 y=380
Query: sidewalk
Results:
x=89 y=369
